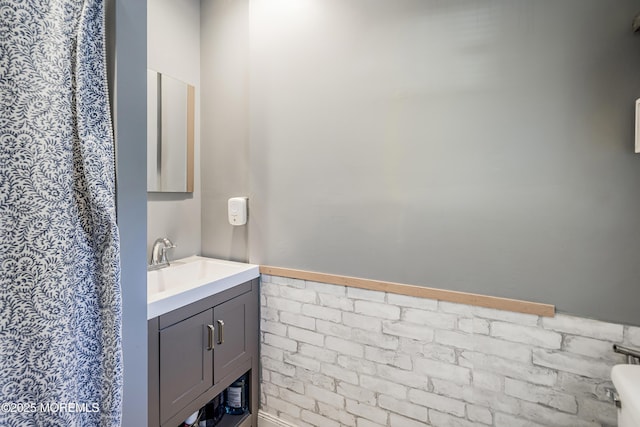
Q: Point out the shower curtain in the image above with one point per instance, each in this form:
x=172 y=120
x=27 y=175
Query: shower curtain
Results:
x=60 y=310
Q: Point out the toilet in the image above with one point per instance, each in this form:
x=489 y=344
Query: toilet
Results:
x=626 y=379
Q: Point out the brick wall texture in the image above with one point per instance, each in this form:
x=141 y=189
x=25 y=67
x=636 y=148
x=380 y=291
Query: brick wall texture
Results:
x=335 y=356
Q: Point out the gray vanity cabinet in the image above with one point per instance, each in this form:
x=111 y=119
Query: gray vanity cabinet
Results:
x=186 y=364
x=197 y=351
x=230 y=335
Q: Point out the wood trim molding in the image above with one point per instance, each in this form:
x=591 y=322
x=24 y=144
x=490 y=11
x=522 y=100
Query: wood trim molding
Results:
x=498 y=303
x=191 y=112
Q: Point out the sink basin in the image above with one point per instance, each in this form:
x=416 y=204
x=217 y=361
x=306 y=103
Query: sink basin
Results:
x=190 y=279
x=626 y=379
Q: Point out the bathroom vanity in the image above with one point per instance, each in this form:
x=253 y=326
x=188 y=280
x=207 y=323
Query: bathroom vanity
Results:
x=200 y=345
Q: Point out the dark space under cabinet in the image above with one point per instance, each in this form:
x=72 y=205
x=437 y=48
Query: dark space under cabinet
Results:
x=197 y=351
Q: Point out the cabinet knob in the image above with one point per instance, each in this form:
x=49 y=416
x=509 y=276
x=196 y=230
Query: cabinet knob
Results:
x=220 y=331
x=210 y=330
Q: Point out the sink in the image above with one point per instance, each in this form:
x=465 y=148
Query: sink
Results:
x=190 y=279
x=626 y=379
x=184 y=274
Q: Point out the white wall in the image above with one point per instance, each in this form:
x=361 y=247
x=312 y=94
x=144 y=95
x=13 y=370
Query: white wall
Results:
x=173 y=48
x=225 y=130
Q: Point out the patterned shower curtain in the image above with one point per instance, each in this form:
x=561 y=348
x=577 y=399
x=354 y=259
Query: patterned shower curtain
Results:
x=60 y=310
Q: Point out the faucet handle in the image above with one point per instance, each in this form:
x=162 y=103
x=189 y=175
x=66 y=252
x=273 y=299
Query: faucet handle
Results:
x=168 y=244
x=633 y=355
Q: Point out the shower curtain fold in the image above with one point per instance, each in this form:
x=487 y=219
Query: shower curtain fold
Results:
x=60 y=300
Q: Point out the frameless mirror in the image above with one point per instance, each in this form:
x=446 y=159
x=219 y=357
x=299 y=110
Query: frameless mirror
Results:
x=170 y=134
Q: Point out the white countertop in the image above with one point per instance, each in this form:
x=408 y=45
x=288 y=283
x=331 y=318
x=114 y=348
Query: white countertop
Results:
x=190 y=279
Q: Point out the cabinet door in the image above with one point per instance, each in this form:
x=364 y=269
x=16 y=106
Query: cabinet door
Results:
x=186 y=363
x=230 y=338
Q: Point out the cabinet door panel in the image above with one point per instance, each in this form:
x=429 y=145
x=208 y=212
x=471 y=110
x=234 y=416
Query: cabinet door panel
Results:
x=185 y=363
x=230 y=339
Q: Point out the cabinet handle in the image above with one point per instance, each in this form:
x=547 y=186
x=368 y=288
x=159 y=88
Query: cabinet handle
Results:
x=210 y=333
x=220 y=331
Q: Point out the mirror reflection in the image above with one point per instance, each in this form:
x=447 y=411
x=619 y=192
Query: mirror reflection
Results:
x=170 y=133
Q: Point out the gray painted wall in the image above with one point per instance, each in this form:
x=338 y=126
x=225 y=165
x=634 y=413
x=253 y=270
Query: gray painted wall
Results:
x=225 y=124
x=476 y=146
x=127 y=45
x=173 y=48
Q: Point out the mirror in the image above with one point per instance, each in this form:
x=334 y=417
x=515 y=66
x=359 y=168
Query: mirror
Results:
x=170 y=134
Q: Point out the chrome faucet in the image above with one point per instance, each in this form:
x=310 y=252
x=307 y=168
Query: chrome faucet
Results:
x=159 y=253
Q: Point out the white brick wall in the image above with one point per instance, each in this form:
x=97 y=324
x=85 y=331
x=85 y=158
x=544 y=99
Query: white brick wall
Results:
x=344 y=357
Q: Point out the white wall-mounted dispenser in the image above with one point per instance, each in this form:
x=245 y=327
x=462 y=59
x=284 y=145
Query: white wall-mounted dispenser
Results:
x=238 y=210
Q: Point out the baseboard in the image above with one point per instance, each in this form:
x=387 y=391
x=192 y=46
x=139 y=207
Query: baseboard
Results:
x=268 y=420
